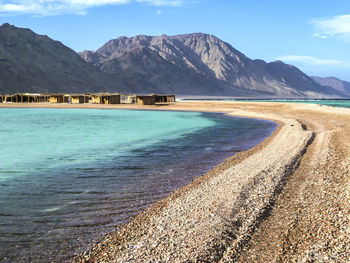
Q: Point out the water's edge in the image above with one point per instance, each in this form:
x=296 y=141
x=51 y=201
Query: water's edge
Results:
x=201 y=165
x=148 y=211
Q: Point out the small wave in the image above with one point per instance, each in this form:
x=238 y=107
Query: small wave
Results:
x=56 y=208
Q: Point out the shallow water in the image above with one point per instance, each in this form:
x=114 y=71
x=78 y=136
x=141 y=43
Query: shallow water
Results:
x=328 y=102
x=333 y=103
x=67 y=177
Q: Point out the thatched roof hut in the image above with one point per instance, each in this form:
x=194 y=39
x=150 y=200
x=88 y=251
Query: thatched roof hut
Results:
x=164 y=98
x=105 y=98
x=30 y=97
x=128 y=98
x=56 y=98
x=76 y=98
x=146 y=100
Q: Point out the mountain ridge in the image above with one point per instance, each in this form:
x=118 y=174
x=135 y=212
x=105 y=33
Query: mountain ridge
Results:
x=35 y=63
x=210 y=58
x=188 y=64
x=335 y=83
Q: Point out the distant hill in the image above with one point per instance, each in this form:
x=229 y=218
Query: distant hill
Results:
x=199 y=64
x=193 y=64
x=35 y=63
x=335 y=83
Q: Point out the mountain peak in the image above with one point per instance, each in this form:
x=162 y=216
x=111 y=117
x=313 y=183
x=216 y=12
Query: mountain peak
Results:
x=165 y=61
x=6 y=25
x=36 y=63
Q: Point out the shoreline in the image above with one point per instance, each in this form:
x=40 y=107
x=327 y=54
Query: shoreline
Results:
x=231 y=213
x=138 y=230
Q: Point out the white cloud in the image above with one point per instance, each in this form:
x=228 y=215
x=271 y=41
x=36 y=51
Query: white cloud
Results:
x=55 y=7
x=320 y=35
x=162 y=2
x=332 y=26
x=313 y=61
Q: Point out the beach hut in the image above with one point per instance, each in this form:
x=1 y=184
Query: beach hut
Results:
x=10 y=98
x=105 y=98
x=56 y=98
x=44 y=98
x=75 y=98
x=29 y=97
x=25 y=98
x=114 y=98
x=95 y=99
x=164 y=99
x=146 y=100
x=127 y=98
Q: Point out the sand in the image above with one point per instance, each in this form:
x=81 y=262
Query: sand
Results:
x=286 y=200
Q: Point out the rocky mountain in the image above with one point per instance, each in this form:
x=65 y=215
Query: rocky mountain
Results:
x=36 y=63
x=193 y=64
x=199 y=64
x=335 y=83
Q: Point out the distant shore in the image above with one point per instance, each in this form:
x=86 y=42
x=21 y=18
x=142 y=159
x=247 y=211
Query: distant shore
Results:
x=285 y=200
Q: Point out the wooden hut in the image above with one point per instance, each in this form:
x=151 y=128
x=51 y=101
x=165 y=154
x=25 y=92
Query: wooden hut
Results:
x=114 y=98
x=44 y=98
x=10 y=98
x=128 y=98
x=105 y=98
x=29 y=98
x=146 y=100
x=76 y=98
x=56 y=98
x=164 y=99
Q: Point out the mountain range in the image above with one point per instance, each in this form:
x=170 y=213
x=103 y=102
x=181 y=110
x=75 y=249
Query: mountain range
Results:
x=335 y=83
x=35 y=63
x=192 y=64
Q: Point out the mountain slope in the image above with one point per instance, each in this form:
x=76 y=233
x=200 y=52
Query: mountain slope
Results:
x=193 y=64
x=335 y=83
x=204 y=65
x=35 y=63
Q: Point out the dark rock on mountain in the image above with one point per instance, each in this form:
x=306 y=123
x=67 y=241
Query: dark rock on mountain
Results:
x=335 y=83
x=200 y=64
x=36 y=63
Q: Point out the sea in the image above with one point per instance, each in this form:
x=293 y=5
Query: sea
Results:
x=70 y=176
x=333 y=103
x=341 y=103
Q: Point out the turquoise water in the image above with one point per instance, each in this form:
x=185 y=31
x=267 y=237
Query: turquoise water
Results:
x=67 y=177
x=40 y=140
x=333 y=103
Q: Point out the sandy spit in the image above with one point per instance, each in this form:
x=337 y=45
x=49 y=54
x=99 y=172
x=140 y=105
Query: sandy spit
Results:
x=286 y=200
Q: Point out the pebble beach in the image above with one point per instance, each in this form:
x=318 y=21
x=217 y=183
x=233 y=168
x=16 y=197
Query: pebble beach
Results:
x=286 y=200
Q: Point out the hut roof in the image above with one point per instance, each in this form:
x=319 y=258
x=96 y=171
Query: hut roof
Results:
x=102 y=94
x=56 y=94
x=162 y=94
x=145 y=96
x=75 y=95
x=29 y=94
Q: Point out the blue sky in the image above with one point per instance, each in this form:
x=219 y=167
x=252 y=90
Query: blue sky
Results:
x=313 y=35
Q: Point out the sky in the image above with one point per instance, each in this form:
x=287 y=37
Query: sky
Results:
x=313 y=35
